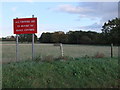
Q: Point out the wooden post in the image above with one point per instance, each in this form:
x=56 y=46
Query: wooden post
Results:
x=119 y=52
x=111 y=50
x=61 y=48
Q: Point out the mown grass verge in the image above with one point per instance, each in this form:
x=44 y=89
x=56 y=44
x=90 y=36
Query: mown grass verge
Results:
x=74 y=73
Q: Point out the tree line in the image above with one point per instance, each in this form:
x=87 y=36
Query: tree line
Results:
x=110 y=34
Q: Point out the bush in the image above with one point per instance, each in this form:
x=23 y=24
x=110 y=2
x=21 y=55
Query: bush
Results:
x=63 y=58
x=99 y=55
x=39 y=58
x=86 y=56
x=48 y=58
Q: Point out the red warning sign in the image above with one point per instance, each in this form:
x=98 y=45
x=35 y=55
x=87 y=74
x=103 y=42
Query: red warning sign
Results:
x=25 y=25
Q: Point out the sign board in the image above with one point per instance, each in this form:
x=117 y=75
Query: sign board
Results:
x=25 y=25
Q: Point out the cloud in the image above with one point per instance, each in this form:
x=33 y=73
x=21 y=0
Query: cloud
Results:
x=6 y=31
x=61 y=0
x=93 y=27
x=71 y=9
x=14 y=9
x=97 y=12
x=30 y=1
x=102 y=10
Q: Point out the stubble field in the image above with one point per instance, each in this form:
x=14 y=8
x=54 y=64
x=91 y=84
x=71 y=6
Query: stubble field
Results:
x=25 y=51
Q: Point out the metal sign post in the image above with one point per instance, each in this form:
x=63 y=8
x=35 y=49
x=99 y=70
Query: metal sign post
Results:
x=16 y=47
x=32 y=43
x=32 y=46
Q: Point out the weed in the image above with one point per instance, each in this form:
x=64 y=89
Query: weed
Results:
x=86 y=56
x=99 y=55
x=48 y=58
x=63 y=58
x=38 y=58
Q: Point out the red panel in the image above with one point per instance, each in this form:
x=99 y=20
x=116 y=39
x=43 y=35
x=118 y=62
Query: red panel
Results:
x=25 y=25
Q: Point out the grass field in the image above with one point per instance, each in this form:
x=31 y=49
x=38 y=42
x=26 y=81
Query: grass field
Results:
x=25 y=51
x=73 y=73
x=78 y=70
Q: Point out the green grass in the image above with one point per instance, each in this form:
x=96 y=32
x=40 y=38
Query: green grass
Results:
x=25 y=51
x=74 y=73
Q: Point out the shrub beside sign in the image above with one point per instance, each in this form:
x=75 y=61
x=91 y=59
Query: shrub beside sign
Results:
x=25 y=25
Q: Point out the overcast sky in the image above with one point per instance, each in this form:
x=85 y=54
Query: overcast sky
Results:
x=59 y=16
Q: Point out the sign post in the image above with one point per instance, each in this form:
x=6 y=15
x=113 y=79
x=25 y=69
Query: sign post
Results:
x=17 y=47
x=25 y=26
x=32 y=43
x=32 y=46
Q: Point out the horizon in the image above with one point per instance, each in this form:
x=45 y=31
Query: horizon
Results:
x=54 y=32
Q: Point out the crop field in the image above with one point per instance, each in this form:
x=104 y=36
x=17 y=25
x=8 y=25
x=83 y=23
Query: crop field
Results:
x=25 y=51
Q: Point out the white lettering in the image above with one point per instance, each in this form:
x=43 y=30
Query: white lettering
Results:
x=19 y=30
x=18 y=25
x=17 y=22
x=28 y=29
x=25 y=21
x=24 y=25
x=31 y=25
x=32 y=21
